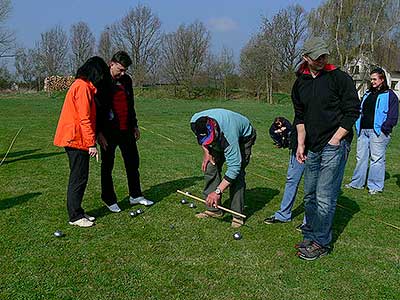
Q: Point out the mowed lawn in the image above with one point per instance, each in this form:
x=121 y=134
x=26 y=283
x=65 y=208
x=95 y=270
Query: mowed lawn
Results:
x=166 y=253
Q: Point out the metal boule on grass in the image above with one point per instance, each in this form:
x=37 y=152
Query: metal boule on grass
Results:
x=139 y=211
x=192 y=205
x=237 y=236
x=172 y=226
x=133 y=213
x=184 y=201
x=58 y=233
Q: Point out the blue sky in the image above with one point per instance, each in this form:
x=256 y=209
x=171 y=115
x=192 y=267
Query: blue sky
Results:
x=231 y=22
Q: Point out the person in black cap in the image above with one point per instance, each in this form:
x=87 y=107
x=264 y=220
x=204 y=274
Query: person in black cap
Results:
x=326 y=107
x=224 y=136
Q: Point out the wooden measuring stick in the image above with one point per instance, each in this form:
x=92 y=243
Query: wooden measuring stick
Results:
x=11 y=145
x=218 y=206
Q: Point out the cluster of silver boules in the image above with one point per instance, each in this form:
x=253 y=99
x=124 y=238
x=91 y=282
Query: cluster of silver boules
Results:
x=135 y=213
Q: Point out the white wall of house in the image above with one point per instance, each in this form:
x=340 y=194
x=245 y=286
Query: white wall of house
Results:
x=360 y=70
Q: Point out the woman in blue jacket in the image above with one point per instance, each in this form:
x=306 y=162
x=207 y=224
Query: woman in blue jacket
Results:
x=379 y=114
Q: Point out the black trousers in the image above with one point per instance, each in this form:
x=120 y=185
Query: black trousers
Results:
x=78 y=178
x=126 y=142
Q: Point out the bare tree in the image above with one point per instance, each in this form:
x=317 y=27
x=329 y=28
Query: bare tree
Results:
x=184 y=52
x=82 y=44
x=105 y=48
x=255 y=66
x=270 y=57
x=285 y=33
x=356 y=28
x=6 y=78
x=227 y=68
x=52 y=51
x=40 y=70
x=24 y=64
x=6 y=36
x=139 y=33
x=212 y=70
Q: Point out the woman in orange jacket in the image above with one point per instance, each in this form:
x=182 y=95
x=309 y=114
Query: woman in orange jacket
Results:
x=76 y=131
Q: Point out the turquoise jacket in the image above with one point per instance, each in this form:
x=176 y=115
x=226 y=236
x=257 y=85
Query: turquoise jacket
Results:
x=386 y=112
x=233 y=128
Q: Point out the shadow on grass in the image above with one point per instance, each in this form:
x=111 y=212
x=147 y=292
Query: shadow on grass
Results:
x=163 y=190
x=19 y=153
x=13 y=201
x=255 y=200
x=345 y=210
x=397 y=176
x=32 y=156
x=156 y=193
x=298 y=210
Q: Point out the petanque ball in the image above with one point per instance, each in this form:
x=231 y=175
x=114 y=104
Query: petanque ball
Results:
x=58 y=233
x=192 y=205
x=184 y=201
x=139 y=211
x=133 y=213
x=237 y=236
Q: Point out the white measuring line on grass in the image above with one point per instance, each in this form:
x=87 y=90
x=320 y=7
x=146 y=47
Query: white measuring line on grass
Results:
x=163 y=136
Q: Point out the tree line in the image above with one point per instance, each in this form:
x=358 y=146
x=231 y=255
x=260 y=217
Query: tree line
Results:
x=183 y=58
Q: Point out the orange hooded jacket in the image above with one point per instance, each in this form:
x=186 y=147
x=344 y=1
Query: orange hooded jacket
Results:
x=77 y=124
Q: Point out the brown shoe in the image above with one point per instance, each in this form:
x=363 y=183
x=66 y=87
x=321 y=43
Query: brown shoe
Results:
x=237 y=222
x=209 y=214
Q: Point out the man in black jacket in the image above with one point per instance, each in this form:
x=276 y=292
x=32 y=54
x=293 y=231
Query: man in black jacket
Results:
x=118 y=127
x=326 y=107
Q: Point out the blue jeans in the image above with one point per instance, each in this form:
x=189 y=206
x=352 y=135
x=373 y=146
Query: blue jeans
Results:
x=370 y=146
x=294 y=174
x=323 y=176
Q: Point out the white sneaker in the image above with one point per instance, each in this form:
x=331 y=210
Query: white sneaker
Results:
x=83 y=222
x=90 y=218
x=114 y=208
x=140 y=200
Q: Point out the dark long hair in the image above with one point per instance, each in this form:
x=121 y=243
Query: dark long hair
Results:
x=96 y=71
x=382 y=75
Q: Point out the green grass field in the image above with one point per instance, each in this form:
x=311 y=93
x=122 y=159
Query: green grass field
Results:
x=143 y=258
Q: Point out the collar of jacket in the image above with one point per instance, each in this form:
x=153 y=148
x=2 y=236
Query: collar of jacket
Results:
x=305 y=70
x=89 y=83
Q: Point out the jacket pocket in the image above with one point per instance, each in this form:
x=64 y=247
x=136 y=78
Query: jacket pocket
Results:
x=69 y=133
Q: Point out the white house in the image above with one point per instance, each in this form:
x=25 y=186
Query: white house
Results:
x=359 y=69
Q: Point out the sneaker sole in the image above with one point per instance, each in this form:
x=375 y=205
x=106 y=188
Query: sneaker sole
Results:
x=302 y=256
x=73 y=224
x=353 y=187
x=299 y=246
x=205 y=216
x=275 y=222
x=141 y=204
